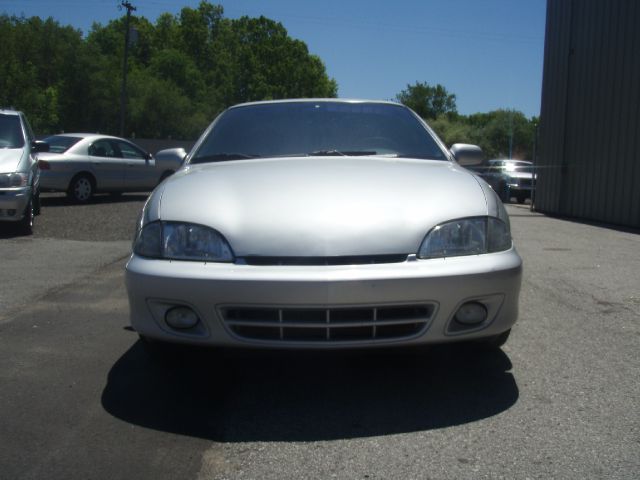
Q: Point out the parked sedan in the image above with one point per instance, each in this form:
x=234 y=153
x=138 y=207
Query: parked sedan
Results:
x=82 y=164
x=19 y=174
x=323 y=224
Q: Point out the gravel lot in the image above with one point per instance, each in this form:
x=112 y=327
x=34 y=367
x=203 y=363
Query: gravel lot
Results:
x=80 y=397
x=105 y=218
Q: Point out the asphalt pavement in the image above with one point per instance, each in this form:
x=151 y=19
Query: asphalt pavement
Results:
x=81 y=398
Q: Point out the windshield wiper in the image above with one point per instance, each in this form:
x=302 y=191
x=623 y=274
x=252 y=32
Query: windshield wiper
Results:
x=338 y=153
x=221 y=157
x=417 y=156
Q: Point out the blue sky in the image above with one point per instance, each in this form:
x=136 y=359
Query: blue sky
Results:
x=488 y=52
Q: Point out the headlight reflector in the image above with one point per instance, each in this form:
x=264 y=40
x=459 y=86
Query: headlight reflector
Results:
x=498 y=235
x=467 y=236
x=182 y=241
x=149 y=241
x=14 y=180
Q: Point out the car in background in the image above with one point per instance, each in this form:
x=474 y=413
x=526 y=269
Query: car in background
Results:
x=323 y=224
x=19 y=173
x=82 y=164
x=509 y=178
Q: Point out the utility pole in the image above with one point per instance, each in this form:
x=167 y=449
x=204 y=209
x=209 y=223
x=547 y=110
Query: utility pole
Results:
x=123 y=92
x=535 y=167
x=511 y=134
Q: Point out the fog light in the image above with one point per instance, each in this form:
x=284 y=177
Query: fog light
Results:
x=471 y=313
x=181 y=318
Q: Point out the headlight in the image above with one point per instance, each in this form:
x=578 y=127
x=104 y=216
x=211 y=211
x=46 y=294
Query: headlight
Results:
x=513 y=181
x=467 y=236
x=182 y=241
x=14 y=180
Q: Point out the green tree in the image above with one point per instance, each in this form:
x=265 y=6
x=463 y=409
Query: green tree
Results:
x=183 y=70
x=427 y=101
x=495 y=132
x=504 y=132
x=37 y=64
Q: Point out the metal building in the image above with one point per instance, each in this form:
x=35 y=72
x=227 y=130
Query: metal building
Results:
x=589 y=137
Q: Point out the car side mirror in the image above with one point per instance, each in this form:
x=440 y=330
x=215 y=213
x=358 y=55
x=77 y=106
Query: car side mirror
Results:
x=172 y=157
x=467 y=155
x=38 y=146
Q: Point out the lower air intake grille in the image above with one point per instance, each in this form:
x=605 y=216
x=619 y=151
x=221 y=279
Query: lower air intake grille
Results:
x=312 y=261
x=525 y=182
x=328 y=325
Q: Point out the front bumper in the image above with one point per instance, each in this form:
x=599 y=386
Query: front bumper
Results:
x=520 y=187
x=441 y=286
x=13 y=203
x=516 y=189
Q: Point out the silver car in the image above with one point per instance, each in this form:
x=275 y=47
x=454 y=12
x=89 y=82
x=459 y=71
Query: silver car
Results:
x=323 y=224
x=19 y=174
x=82 y=164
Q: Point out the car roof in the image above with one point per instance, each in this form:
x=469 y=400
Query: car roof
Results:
x=9 y=111
x=86 y=135
x=317 y=100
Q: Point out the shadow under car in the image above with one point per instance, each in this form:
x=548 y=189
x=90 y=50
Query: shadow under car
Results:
x=246 y=395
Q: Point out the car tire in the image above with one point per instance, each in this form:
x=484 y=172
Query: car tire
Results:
x=81 y=188
x=170 y=354
x=37 y=203
x=157 y=348
x=505 y=193
x=25 y=226
x=496 y=341
x=521 y=198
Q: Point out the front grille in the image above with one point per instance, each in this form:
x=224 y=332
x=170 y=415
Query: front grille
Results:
x=525 y=182
x=314 y=261
x=328 y=325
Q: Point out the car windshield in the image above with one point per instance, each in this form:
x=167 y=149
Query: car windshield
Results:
x=10 y=132
x=317 y=129
x=60 y=144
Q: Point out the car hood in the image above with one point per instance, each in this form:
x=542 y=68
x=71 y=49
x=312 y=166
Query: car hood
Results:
x=520 y=174
x=320 y=206
x=10 y=159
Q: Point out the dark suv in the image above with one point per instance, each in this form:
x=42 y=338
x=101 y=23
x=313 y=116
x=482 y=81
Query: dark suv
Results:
x=509 y=178
x=19 y=174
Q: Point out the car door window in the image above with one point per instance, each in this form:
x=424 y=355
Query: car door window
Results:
x=130 y=152
x=103 y=148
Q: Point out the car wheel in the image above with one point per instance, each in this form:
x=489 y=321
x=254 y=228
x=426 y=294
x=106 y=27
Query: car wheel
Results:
x=25 y=226
x=496 y=341
x=505 y=193
x=37 y=204
x=521 y=198
x=81 y=189
x=157 y=348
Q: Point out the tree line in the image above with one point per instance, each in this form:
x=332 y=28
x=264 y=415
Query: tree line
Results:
x=184 y=69
x=501 y=133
